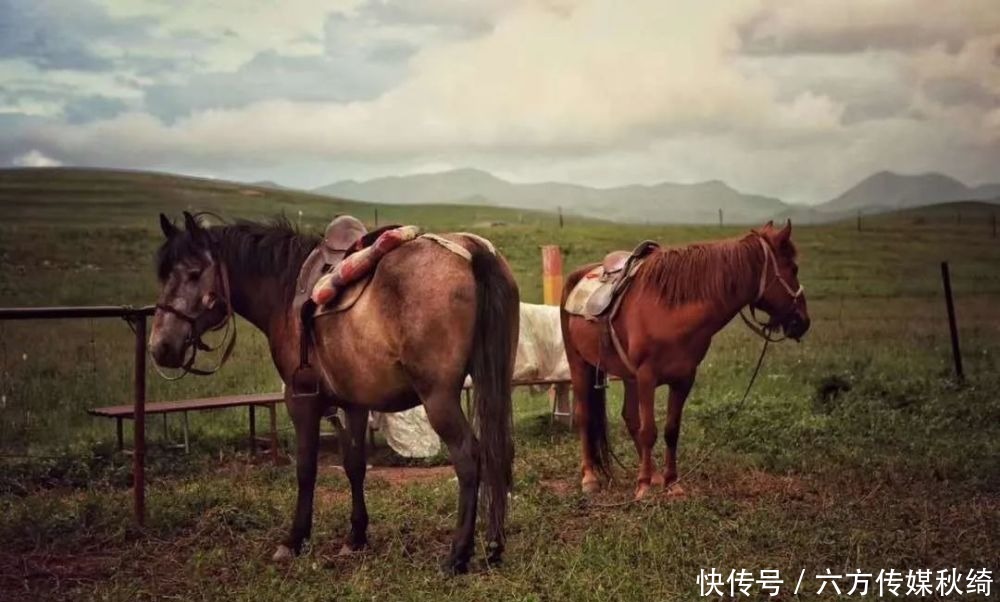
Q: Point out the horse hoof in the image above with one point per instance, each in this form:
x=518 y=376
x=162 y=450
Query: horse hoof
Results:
x=349 y=550
x=675 y=490
x=590 y=486
x=641 y=490
x=452 y=567
x=283 y=554
x=494 y=557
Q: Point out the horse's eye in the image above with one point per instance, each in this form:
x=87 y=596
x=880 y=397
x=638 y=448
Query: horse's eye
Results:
x=194 y=275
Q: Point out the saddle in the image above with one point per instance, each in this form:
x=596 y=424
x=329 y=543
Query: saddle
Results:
x=340 y=239
x=598 y=290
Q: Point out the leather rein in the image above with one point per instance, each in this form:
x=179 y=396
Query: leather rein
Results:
x=194 y=341
x=759 y=327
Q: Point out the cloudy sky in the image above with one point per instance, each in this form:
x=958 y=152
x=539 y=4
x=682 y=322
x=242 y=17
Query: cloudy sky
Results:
x=792 y=98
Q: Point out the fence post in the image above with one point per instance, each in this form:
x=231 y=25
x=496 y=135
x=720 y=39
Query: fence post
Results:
x=376 y=217
x=552 y=278
x=552 y=283
x=560 y=216
x=720 y=217
x=139 y=423
x=955 y=351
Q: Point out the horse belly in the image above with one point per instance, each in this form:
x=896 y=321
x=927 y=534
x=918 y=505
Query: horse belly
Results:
x=586 y=338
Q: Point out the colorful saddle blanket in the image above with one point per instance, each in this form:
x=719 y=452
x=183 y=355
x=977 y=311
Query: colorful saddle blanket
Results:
x=358 y=265
x=595 y=293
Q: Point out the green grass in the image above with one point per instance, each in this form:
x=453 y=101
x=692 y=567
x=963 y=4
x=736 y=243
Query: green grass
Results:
x=857 y=449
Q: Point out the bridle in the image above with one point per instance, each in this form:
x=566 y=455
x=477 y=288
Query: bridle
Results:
x=194 y=341
x=765 y=329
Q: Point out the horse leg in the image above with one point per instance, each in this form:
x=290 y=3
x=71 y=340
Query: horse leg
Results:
x=583 y=384
x=352 y=446
x=646 y=393
x=630 y=413
x=445 y=415
x=671 y=433
x=306 y=417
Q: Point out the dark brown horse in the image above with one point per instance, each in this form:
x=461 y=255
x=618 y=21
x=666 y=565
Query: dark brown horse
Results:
x=679 y=299
x=429 y=317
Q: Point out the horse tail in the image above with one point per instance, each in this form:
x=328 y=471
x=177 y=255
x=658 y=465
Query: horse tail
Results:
x=596 y=424
x=492 y=366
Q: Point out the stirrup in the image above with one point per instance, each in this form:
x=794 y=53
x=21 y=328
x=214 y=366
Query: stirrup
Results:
x=298 y=392
x=600 y=378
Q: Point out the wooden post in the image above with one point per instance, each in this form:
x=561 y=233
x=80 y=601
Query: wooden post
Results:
x=720 y=217
x=559 y=398
x=552 y=283
x=560 y=217
x=253 y=429
x=552 y=278
x=139 y=423
x=274 y=433
x=955 y=351
x=376 y=217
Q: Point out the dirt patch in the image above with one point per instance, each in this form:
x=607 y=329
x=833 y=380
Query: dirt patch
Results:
x=399 y=475
x=560 y=487
x=403 y=475
x=753 y=484
x=32 y=573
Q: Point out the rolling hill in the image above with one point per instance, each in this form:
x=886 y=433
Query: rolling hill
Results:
x=658 y=203
x=886 y=190
x=62 y=195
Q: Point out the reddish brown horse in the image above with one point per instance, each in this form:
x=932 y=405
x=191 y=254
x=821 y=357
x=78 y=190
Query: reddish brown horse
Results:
x=678 y=300
x=429 y=317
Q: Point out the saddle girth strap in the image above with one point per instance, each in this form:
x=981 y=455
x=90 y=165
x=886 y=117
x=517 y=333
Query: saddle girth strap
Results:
x=613 y=334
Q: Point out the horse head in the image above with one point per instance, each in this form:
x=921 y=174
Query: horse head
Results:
x=781 y=295
x=194 y=293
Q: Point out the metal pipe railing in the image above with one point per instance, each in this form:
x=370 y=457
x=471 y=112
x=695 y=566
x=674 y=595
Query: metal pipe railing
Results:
x=136 y=316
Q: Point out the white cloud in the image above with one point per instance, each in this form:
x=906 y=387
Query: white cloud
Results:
x=584 y=80
x=35 y=158
x=790 y=98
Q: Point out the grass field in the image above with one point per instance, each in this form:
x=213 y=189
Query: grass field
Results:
x=857 y=450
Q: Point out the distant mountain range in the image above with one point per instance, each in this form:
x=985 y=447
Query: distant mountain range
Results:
x=666 y=202
x=658 y=203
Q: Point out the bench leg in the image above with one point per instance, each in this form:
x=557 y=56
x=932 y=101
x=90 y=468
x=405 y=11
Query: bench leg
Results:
x=187 y=444
x=118 y=431
x=559 y=396
x=253 y=430
x=273 y=410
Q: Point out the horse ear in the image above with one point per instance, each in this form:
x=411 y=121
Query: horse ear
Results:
x=168 y=227
x=769 y=225
x=190 y=224
x=786 y=232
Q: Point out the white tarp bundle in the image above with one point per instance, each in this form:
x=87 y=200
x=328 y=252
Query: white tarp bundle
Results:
x=540 y=350
x=408 y=433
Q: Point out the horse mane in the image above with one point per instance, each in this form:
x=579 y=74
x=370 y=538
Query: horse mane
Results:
x=274 y=248
x=707 y=271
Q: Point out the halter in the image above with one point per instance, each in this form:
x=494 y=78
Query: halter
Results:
x=761 y=328
x=194 y=341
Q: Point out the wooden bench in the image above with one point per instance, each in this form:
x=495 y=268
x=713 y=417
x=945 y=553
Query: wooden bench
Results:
x=251 y=402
